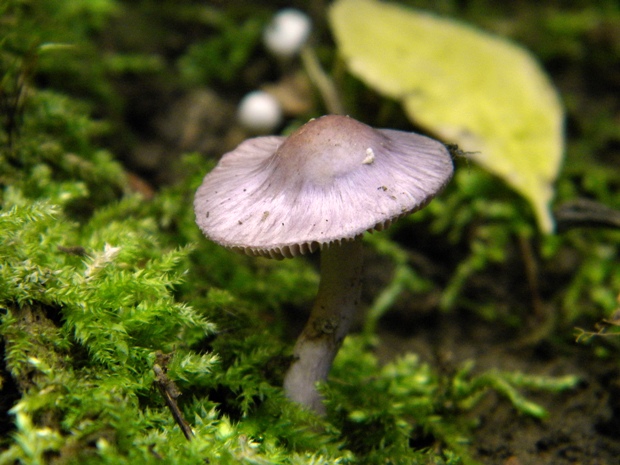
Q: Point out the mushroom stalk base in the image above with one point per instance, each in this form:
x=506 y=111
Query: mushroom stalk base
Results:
x=329 y=322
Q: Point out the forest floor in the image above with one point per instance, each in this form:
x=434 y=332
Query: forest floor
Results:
x=582 y=424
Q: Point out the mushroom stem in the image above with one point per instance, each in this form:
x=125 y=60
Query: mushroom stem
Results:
x=329 y=322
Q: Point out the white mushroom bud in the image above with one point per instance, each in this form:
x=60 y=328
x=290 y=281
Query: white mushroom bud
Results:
x=287 y=33
x=259 y=112
x=320 y=188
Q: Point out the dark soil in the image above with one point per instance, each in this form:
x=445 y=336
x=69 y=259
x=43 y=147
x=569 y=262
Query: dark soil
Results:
x=583 y=424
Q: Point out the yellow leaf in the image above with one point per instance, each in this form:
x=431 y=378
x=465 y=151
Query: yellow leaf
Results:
x=469 y=87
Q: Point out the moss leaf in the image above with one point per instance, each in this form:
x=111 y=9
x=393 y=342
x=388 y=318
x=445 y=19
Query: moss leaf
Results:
x=469 y=87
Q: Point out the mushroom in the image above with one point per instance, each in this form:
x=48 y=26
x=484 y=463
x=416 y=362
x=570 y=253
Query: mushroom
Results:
x=259 y=112
x=287 y=33
x=320 y=188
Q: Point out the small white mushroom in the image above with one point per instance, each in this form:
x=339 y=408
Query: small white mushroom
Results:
x=259 y=112
x=287 y=32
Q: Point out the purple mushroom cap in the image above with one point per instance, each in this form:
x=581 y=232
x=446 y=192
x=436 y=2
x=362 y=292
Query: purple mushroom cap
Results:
x=331 y=180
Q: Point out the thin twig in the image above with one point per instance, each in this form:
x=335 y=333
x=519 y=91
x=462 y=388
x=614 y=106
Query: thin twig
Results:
x=586 y=213
x=170 y=392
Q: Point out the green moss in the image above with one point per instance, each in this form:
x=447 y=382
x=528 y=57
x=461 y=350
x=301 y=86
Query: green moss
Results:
x=97 y=282
x=89 y=304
